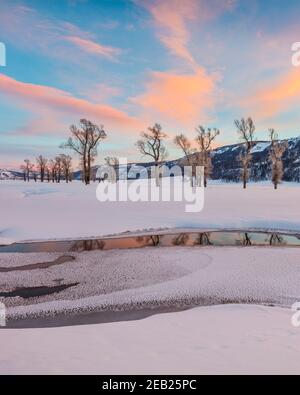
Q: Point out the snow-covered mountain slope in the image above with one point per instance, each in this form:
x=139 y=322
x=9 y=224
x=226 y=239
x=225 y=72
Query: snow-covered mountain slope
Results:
x=227 y=166
x=6 y=174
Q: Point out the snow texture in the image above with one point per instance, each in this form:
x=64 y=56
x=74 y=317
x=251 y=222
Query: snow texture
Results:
x=170 y=276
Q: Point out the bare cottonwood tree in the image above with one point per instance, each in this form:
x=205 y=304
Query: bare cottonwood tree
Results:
x=47 y=173
x=276 y=152
x=58 y=168
x=27 y=169
x=183 y=143
x=66 y=163
x=246 y=129
x=204 y=139
x=151 y=144
x=52 y=169
x=84 y=141
x=41 y=166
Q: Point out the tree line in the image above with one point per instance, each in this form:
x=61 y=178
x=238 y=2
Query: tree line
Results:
x=84 y=141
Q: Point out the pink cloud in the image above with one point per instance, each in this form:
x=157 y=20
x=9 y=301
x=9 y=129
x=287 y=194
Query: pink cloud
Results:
x=94 y=48
x=101 y=92
x=171 y=18
x=61 y=102
x=174 y=19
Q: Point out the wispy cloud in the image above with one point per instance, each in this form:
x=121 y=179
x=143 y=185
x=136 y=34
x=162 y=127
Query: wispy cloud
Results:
x=171 y=18
x=94 y=48
x=28 y=29
x=174 y=19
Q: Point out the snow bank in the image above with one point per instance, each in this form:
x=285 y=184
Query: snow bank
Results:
x=232 y=339
x=49 y=211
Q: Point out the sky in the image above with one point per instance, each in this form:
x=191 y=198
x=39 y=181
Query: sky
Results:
x=127 y=64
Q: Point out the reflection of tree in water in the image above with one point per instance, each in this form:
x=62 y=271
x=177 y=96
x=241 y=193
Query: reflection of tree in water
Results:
x=88 y=245
x=203 y=239
x=148 y=240
x=276 y=239
x=181 y=239
x=155 y=240
x=246 y=240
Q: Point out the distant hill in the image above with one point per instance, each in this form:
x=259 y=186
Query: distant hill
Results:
x=6 y=174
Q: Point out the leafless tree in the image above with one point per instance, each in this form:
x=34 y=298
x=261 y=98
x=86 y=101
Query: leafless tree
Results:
x=151 y=144
x=58 y=168
x=204 y=139
x=41 y=166
x=66 y=163
x=246 y=129
x=276 y=152
x=84 y=141
x=183 y=143
x=52 y=169
x=27 y=169
x=47 y=172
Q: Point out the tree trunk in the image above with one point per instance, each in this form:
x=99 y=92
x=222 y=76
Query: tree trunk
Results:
x=157 y=175
x=88 y=175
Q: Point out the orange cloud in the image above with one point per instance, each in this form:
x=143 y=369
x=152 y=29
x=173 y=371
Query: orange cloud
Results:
x=184 y=98
x=59 y=101
x=94 y=48
x=276 y=96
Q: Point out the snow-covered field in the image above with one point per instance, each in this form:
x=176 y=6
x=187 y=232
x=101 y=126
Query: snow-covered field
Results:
x=42 y=211
x=229 y=339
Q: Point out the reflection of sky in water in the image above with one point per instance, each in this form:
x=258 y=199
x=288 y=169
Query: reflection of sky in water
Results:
x=187 y=239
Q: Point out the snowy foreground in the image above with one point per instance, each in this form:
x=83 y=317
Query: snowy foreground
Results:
x=154 y=277
x=220 y=339
x=230 y=339
x=48 y=211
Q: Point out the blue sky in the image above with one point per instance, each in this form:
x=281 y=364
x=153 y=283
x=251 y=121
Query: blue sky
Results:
x=128 y=64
